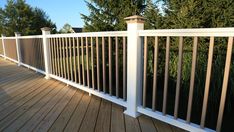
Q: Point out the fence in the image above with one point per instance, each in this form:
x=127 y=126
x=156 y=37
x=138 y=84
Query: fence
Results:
x=115 y=66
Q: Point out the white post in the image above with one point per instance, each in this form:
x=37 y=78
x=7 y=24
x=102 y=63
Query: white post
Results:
x=134 y=67
x=18 y=48
x=46 y=31
x=3 y=46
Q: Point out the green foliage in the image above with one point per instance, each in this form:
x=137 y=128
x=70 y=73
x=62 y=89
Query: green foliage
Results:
x=19 y=16
x=154 y=19
x=106 y=15
x=198 y=13
x=67 y=28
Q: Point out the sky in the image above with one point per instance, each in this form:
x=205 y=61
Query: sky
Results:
x=60 y=11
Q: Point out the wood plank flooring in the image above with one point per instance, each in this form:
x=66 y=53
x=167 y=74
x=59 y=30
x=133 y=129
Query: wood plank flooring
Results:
x=28 y=102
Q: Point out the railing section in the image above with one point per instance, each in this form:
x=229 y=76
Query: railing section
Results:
x=95 y=62
x=31 y=50
x=10 y=48
x=184 y=71
x=1 y=47
x=174 y=86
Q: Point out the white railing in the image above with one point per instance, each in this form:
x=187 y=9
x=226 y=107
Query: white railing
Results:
x=72 y=55
x=181 y=34
x=77 y=60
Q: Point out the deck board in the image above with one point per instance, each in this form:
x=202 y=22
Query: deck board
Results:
x=4 y=113
x=66 y=114
x=40 y=115
x=77 y=118
x=117 y=119
x=147 y=125
x=32 y=84
x=13 y=98
x=16 y=81
x=104 y=117
x=162 y=127
x=28 y=102
x=132 y=124
x=33 y=110
x=21 y=83
x=47 y=122
x=89 y=121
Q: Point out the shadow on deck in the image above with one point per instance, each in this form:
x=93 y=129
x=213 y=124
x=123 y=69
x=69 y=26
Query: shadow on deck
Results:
x=28 y=102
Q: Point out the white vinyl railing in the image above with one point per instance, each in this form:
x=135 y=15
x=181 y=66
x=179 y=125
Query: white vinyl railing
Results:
x=87 y=61
x=113 y=66
x=181 y=34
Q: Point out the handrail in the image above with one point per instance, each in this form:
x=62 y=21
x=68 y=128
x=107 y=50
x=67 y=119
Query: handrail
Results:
x=199 y=32
x=90 y=34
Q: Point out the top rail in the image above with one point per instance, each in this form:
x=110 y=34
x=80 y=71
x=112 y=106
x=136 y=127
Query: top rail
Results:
x=25 y=37
x=9 y=37
x=199 y=32
x=29 y=37
x=90 y=34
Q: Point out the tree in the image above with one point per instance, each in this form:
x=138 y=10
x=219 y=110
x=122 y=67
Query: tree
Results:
x=21 y=17
x=154 y=19
x=66 y=28
x=1 y=21
x=106 y=15
x=198 y=13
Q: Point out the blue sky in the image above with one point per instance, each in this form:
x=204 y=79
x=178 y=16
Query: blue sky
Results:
x=60 y=11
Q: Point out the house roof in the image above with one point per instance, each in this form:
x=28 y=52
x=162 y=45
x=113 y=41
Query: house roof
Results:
x=77 y=30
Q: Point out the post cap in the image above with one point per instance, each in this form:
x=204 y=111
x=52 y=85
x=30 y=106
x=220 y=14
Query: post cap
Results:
x=17 y=33
x=3 y=35
x=135 y=19
x=45 y=29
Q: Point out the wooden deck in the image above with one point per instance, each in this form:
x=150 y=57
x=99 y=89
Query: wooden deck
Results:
x=28 y=102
